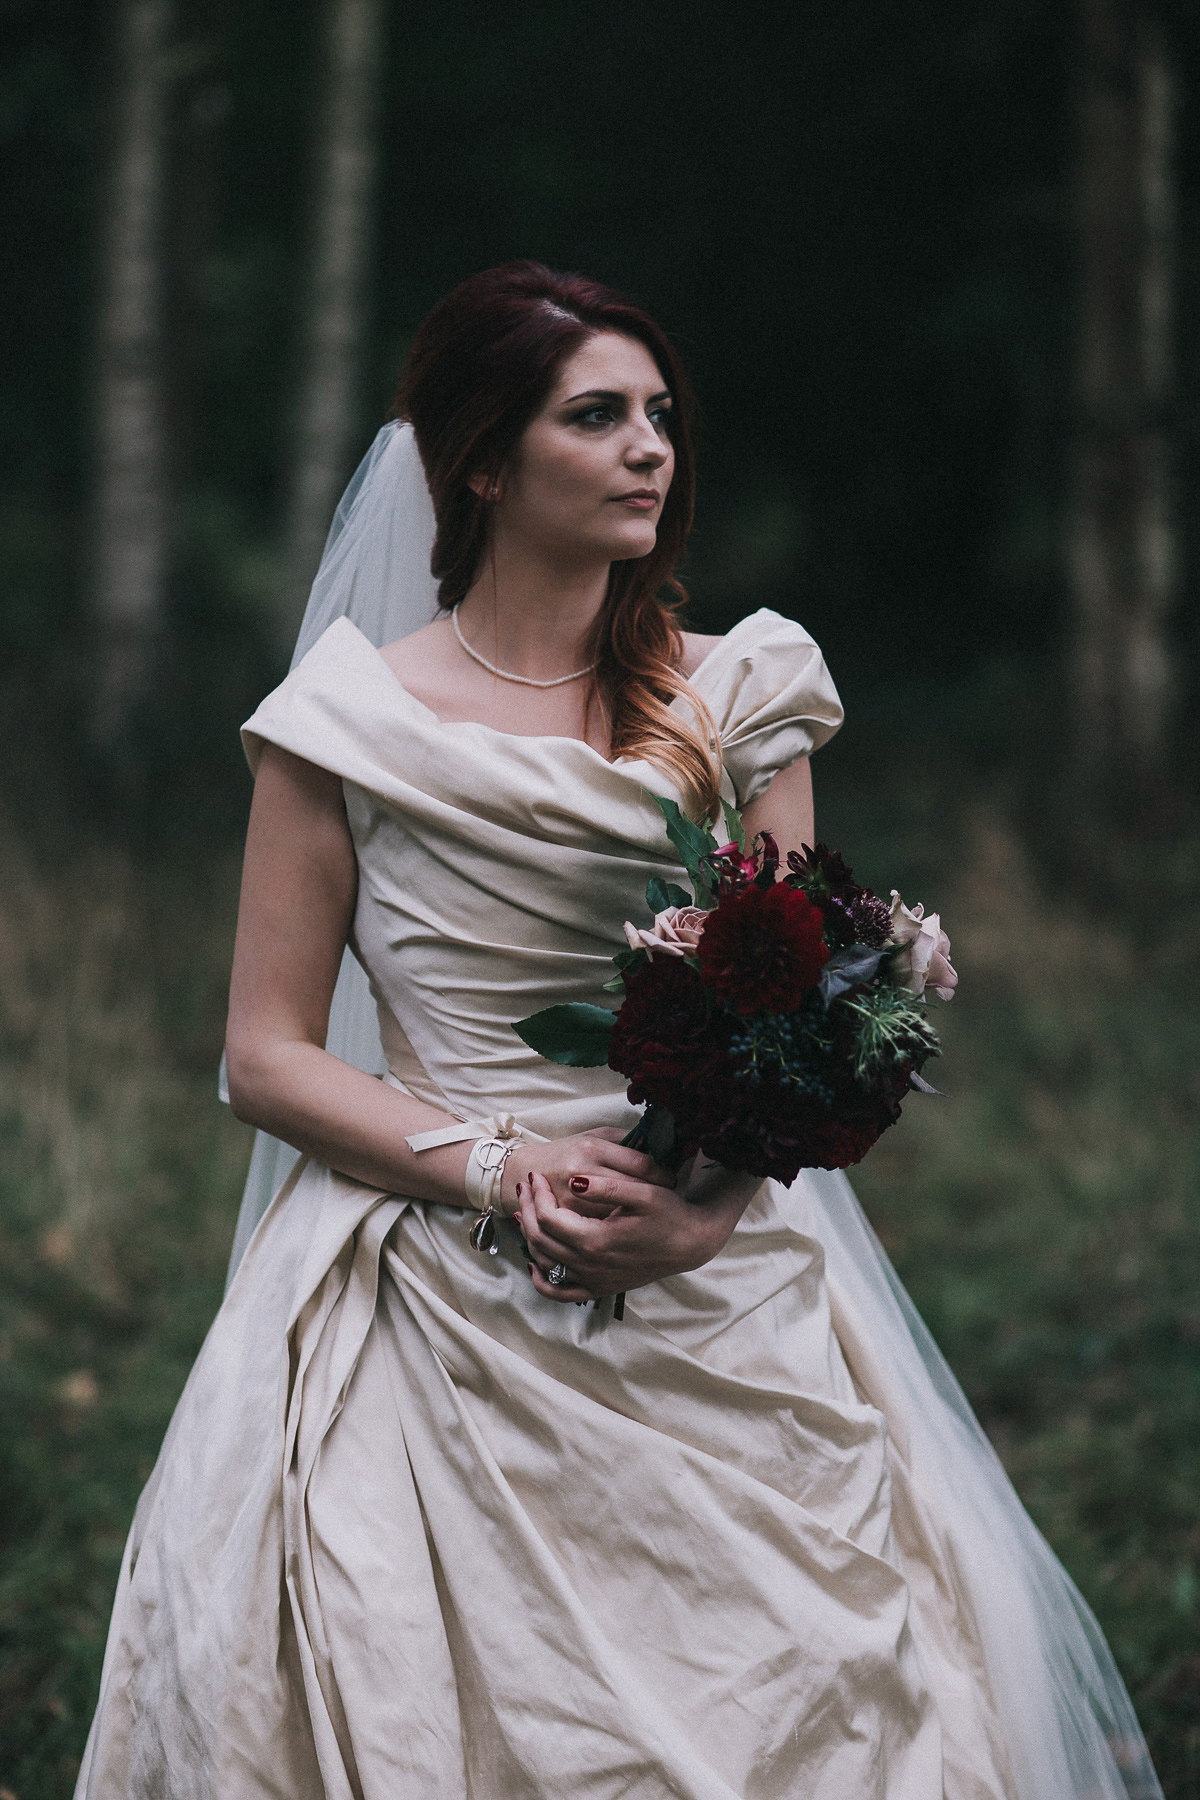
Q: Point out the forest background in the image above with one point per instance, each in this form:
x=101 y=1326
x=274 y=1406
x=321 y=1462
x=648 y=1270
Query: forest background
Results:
x=934 y=267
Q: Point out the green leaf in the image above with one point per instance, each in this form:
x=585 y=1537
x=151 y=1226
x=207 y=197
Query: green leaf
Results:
x=662 y=894
x=734 y=826
x=574 y=1034
x=693 y=844
x=625 y=960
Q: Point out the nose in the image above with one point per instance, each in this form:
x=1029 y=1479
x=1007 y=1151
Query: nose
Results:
x=646 y=449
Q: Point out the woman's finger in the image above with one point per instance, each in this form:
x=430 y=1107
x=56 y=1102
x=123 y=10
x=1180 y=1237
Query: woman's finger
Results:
x=565 y=1290
x=547 y=1250
x=569 y=1233
x=635 y=1163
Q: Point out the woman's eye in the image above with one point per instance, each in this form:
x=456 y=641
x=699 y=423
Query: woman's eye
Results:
x=594 y=415
x=660 y=417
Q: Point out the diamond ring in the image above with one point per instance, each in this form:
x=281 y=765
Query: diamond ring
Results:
x=557 y=1275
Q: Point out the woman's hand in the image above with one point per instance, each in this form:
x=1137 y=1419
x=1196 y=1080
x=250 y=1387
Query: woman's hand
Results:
x=591 y=1172
x=636 y=1228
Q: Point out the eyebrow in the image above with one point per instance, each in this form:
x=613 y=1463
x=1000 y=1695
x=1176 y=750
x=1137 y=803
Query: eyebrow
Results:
x=614 y=394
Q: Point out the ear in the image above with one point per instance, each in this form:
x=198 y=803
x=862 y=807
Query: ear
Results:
x=484 y=487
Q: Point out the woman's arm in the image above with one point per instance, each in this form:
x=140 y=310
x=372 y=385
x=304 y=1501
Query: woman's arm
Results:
x=299 y=885
x=785 y=809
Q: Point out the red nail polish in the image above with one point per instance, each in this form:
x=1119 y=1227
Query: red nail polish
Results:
x=579 y=1184
x=520 y=1189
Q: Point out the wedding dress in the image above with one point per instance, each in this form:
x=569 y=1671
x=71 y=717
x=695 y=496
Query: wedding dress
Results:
x=416 y=1533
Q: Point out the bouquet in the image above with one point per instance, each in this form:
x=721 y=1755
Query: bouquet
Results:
x=773 y=1022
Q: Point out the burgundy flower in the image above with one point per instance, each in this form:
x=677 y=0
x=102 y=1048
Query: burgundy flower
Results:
x=763 y=949
x=733 y=868
x=837 y=1144
x=778 y=1137
x=871 y=919
x=736 y=868
x=821 y=870
x=852 y=914
x=661 y=1037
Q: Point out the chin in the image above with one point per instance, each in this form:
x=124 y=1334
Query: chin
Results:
x=630 y=545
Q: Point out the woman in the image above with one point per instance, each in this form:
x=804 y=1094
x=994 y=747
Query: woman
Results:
x=421 y=1525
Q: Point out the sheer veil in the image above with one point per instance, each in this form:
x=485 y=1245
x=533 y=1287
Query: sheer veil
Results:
x=375 y=572
x=1064 y=1717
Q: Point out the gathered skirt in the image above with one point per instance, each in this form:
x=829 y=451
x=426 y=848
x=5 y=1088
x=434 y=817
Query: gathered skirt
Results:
x=416 y=1531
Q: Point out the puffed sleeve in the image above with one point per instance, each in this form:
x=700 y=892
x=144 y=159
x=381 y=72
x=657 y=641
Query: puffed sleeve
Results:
x=334 y=709
x=771 y=696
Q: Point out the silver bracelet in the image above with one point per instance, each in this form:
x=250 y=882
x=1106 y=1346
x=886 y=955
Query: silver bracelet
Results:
x=483 y=1179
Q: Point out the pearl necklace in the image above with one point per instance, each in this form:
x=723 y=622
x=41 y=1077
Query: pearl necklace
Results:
x=524 y=680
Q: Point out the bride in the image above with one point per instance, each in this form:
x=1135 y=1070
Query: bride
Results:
x=422 y=1526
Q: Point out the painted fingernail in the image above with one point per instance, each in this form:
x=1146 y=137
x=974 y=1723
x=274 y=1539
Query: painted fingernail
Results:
x=579 y=1184
x=520 y=1189
x=529 y=1266
x=531 y=1177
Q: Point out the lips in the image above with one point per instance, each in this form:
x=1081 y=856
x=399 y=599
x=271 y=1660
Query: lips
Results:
x=639 y=497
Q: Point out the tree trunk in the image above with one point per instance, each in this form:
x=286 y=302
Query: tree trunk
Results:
x=333 y=326
x=130 y=542
x=1122 y=536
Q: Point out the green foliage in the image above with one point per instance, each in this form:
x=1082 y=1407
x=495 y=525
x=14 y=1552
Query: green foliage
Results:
x=626 y=960
x=574 y=1034
x=119 y=1173
x=736 y=831
x=693 y=843
x=662 y=894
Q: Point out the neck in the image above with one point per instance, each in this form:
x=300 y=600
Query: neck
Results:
x=531 y=617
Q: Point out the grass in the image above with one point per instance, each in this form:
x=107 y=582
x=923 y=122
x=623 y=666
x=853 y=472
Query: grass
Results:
x=118 y=1178
x=1045 y=1214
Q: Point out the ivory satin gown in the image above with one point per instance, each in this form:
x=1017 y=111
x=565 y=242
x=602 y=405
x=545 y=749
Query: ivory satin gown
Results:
x=417 y=1532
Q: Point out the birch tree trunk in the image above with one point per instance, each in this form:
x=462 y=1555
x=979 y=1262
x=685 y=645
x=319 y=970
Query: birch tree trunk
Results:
x=333 y=326
x=1122 y=534
x=130 y=535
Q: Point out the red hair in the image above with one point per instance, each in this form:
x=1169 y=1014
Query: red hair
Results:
x=480 y=367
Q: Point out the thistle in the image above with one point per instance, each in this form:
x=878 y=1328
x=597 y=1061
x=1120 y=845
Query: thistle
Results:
x=890 y=1027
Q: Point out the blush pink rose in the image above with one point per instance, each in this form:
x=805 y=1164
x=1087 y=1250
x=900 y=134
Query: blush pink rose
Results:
x=675 y=932
x=923 y=959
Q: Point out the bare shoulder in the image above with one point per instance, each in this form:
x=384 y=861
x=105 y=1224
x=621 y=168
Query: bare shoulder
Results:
x=422 y=652
x=696 y=646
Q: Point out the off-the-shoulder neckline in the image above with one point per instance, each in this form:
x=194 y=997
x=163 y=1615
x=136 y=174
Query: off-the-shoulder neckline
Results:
x=519 y=737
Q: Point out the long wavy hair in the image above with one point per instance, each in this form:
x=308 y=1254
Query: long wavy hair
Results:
x=480 y=367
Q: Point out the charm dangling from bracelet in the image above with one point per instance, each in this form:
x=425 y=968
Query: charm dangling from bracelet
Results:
x=484 y=1175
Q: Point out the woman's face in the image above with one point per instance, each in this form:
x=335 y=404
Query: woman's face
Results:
x=588 y=477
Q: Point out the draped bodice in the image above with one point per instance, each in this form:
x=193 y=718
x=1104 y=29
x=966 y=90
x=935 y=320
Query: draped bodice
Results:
x=496 y=871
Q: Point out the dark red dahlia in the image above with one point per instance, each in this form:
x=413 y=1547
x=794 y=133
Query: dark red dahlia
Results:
x=762 y=949
x=662 y=1037
x=837 y=1144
